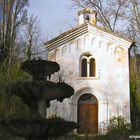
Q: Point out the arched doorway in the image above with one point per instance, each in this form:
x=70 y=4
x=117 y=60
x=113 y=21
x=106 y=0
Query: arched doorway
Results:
x=87 y=114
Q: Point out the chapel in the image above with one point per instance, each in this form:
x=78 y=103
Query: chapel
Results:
x=95 y=62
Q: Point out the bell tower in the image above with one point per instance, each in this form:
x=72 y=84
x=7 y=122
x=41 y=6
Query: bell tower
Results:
x=87 y=15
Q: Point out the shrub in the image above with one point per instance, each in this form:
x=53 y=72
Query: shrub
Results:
x=119 y=123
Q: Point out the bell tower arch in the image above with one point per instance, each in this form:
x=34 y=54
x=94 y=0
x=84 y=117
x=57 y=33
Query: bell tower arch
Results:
x=87 y=15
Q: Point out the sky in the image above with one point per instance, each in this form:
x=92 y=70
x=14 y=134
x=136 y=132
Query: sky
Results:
x=55 y=16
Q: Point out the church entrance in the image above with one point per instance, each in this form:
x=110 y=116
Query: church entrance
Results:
x=88 y=114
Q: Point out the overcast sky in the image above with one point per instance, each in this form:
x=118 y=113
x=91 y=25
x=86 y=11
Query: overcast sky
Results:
x=55 y=16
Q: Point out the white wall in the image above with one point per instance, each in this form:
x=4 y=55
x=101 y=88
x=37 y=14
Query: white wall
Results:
x=111 y=84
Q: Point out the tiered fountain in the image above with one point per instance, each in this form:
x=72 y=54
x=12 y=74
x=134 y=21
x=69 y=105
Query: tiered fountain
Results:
x=37 y=94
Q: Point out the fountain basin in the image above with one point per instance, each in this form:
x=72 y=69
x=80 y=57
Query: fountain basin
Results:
x=41 y=90
x=40 y=68
x=30 y=128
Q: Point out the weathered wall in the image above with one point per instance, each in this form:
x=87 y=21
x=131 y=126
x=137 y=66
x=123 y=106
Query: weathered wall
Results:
x=111 y=84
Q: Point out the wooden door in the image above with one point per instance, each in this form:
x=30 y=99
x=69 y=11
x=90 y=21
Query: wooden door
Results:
x=88 y=114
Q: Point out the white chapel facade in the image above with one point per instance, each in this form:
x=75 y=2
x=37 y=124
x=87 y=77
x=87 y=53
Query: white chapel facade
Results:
x=95 y=63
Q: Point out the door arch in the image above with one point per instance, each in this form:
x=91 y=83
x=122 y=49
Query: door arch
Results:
x=87 y=114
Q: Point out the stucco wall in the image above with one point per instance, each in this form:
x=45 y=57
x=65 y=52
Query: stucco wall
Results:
x=111 y=84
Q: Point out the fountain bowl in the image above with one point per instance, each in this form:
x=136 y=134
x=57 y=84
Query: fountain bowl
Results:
x=29 y=128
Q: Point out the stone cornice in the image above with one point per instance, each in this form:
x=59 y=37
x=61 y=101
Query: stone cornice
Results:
x=109 y=35
x=81 y=30
x=66 y=37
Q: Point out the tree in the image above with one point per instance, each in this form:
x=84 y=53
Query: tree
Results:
x=134 y=20
x=134 y=90
x=32 y=35
x=134 y=33
x=13 y=14
x=109 y=13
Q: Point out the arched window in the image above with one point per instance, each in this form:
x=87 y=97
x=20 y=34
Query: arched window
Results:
x=92 y=67
x=84 y=67
x=88 y=66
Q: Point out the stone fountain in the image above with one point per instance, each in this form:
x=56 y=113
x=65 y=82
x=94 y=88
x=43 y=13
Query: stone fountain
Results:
x=37 y=93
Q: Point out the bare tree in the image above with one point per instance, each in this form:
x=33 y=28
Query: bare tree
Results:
x=134 y=21
x=109 y=12
x=13 y=14
x=32 y=35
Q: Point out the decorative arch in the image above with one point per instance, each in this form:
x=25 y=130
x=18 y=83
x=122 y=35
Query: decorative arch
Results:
x=78 y=94
x=87 y=97
x=85 y=39
x=87 y=65
x=87 y=17
x=102 y=102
